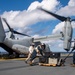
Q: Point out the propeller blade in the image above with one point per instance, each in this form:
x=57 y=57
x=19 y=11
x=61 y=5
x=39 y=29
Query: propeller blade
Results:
x=6 y=31
x=61 y=18
x=73 y=20
x=12 y=30
x=7 y=24
x=15 y=32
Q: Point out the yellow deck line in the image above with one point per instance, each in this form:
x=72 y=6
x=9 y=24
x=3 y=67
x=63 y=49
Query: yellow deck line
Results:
x=13 y=59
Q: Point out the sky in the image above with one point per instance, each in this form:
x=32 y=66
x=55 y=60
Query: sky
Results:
x=23 y=16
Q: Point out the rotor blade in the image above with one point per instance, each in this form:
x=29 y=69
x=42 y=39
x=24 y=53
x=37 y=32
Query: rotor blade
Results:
x=12 y=30
x=73 y=20
x=15 y=32
x=7 y=24
x=55 y=15
x=6 y=31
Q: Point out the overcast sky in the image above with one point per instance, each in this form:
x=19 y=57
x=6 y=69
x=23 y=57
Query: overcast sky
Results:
x=23 y=16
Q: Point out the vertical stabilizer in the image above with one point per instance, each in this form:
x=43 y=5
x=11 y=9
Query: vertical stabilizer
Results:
x=2 y=33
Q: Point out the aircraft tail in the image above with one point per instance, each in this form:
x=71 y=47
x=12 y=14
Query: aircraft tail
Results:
x=2 y=33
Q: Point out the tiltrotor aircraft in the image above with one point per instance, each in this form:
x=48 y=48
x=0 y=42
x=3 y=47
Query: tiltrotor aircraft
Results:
x=20 y=46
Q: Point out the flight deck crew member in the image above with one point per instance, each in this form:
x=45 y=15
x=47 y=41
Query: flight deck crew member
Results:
x=31 y=48
x=38 y=49
x=41 y=48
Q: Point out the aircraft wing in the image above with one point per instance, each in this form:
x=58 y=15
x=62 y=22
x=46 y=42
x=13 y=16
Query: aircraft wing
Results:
x=46 y=38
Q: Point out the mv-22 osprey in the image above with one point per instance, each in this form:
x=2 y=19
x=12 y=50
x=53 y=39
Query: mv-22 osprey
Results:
x=20 y=46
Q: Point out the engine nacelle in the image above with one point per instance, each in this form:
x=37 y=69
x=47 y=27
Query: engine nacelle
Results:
x=67 y=35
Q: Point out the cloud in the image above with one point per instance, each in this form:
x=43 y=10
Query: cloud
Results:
x=24 y=19
x=68 y=10
x=46 y=4
x=73 y=24
x=36 y=35
x=71 y=3
x=21 y=20
x=58 y=28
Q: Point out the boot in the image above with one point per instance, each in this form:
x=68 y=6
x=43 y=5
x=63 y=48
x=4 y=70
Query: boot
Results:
x=30 y=63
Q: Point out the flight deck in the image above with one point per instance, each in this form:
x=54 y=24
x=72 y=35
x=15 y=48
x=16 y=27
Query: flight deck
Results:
x=19 y=67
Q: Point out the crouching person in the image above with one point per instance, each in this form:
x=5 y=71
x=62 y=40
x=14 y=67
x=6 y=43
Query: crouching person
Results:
x=41 y=49
x=31 y=49
x=33 y=56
